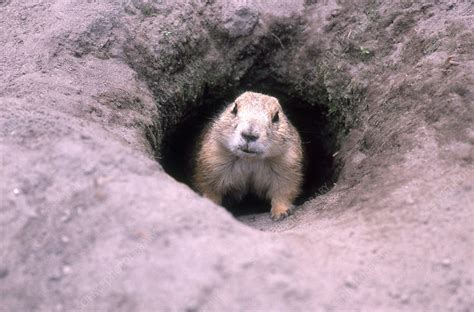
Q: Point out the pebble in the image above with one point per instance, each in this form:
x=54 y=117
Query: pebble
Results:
x=66 y=270
x=56 y=276
x=16 y=191
x=85 y=137
x=335 y=12
x=405 y=298
x=66 y=217
x=446 y=263
x=350 y=283
x=65 y=239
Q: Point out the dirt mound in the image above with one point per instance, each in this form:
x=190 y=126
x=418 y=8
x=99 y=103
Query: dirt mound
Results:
x=101 y=103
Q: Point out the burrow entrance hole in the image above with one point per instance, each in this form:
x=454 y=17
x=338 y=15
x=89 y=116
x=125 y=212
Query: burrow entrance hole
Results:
x=312 y=121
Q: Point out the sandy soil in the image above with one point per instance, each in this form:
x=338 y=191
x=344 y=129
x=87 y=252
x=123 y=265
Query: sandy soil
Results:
x=90 y=221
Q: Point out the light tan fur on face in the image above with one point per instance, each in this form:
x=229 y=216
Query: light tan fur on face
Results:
x=266 y=160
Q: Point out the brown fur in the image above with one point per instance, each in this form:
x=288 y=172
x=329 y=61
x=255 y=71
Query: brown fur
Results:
x=270 y=165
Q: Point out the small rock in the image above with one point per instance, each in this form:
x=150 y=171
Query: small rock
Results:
x=56 y=276
x=335 y=12
x=85 y=137
x=446 y=263
x=66 y=217
x=16 y=191
x=65 y=239
x=358 y=157
x=66 y=270
x=404 y=298
x=241 y=23
x=350 y=283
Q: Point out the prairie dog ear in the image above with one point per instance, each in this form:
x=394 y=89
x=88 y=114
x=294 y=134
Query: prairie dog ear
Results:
x=277 y=103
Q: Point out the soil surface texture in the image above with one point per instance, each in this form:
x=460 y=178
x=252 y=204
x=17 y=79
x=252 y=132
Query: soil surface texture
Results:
x=101 y=102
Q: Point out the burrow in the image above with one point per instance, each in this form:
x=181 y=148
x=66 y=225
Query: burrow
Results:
x=322 y=126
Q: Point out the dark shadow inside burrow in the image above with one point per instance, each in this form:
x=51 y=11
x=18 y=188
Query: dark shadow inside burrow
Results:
x=319 y=141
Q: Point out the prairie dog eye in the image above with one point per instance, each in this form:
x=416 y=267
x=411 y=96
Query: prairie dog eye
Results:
x=234 y=110
x=276 y=117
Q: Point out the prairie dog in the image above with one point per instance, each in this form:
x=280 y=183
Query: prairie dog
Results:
x=251 y=146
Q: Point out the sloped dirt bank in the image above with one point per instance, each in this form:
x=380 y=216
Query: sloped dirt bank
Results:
x=93 y=94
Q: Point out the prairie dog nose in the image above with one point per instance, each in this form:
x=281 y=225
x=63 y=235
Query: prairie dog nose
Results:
x=249 y=136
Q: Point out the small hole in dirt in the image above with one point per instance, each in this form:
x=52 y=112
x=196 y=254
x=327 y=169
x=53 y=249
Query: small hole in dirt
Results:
x=319 y=141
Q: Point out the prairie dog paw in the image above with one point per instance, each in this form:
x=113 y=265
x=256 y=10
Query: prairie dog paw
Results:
x=279 y=212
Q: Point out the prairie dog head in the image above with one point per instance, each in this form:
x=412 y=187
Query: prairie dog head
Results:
x=253 y=126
